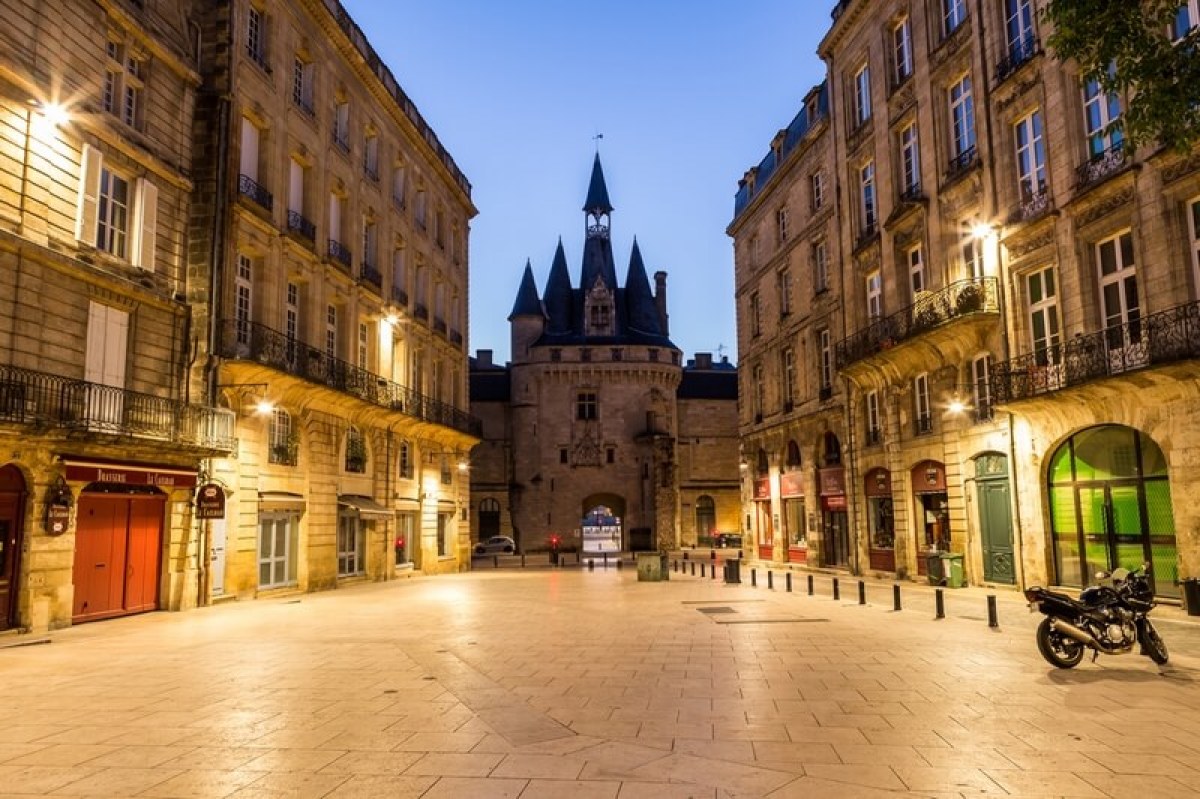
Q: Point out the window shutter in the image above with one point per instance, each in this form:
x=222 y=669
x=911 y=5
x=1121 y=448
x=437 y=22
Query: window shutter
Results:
x=116 y=340
x=93 y=370
x=147 y=223
x=90 y=162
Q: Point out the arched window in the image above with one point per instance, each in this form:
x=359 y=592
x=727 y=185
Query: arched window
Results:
x=706 y=517
x=832 y=449
x=404 y=461
x=356 y=451
x=282 y=439
x=763 y=465
x=793 y=455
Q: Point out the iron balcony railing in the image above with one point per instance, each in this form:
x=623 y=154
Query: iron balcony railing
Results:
x=300 y=226
x=1166 y=337
x=305 y=104
x=963 y=298
x=39 y=398
x=248 y=187
x=1035 y=201
x=962 y=163
x=250 y=341
x=923 y=425
x=1019 y=52
x=400 y=296
x=339 y=253
x=341 y=139
x=439 y=325
x=371 y=276
x=455 y=337
x=421 y=311
x=912 y=193
x=1101 y=165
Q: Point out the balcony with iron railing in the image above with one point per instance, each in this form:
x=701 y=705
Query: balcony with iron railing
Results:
x=371 y=276
x=302 y=227
x=250 y=189
x=923 y=424
x=1035 y=202
x=249 y=341
x=456 y=338
x=961 y=164
x=978 y=295
x=41 y=399
x=400 y=296
x=1167 y=337
x=874 y=436
x=421 y=311
x=1020 y=53
x=439 y=325
x=339 y=254
x=341 y=139
x=1101 y=166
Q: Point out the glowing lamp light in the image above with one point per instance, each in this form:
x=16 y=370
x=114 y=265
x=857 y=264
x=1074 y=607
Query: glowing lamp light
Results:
x=264 y=408
x=54 y=114
x=956 y=406
x=392 y=319
x=981 y=230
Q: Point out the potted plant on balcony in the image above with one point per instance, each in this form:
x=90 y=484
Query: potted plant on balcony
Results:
x=969 y=300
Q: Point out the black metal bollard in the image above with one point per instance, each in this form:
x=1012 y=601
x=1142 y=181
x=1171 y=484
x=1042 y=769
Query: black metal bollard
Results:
x=620 y=564
x=939 y=603
x=693 y=568
x=787 y=578
x=862 y=593
x=754 y=578
x=606 y=560
x=837 y=594
x=701 y=569
x=522 y=560
x=770 y=579
x=993 y=620
x=591 y=564
x=713 y=572
x=495 y=561
x=896 y=597
x=810 y=585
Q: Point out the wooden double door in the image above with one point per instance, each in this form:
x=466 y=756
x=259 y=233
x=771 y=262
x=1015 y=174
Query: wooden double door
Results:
x=12 y=504
x=118 y=552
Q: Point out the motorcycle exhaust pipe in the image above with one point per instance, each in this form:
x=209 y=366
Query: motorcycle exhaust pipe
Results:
x=1083 y=637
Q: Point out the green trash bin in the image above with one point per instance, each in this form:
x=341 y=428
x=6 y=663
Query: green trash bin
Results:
x=952 y=569
x=933 y=568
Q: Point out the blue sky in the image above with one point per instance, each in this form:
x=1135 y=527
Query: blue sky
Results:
x=686 y=95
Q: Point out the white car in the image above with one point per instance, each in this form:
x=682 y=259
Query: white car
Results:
x=497 y=543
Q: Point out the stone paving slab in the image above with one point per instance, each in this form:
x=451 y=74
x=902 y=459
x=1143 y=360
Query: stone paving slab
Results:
x=568 y=683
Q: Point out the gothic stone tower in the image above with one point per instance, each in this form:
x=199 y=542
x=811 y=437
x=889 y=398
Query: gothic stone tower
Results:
x=593 y=401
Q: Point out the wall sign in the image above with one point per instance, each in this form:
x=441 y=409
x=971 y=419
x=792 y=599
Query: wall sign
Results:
x=129 y=474
x=210 y=502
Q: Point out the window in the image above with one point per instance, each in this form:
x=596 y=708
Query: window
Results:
x=1031 y=156
x=331 y=323
x=256 y=36
x=755 y=251
x=356 y=451
x=443 y=533
x=954 y=12
x=399 y=276
x=820 y=261
x=1186 y=19
x=243 y=289
x=972 y=256
x=962 y=116
x=981 y=388
x=610 y=455
x=789 y=378
x=872 y=410
x=1100 y=113
x=910 y=161
x=302 y=85
x=1119 y=304
x=587 y=407
x=817 y=182
x=123 y=84
x=1194 y=230
x=825 y=350
x=404 y=461
x=862 y=95
x=902 y=50
x=783 y=287
x=1043 y=315
x=1018 y=29
x=874 y=296
x=404 y=543
x=106 y=352
x=755 y=314
x=341 y=125
x=364 y=336
x=760 y=393
x=277 y=534
x=419 y=210
x=351 y=534
x=399 y=184
x=781 y=225
x=249 y=155
x=111 y=216
x=923 y=418
x=371 y=157
x=281 y=439
x=562 y=455
x=369 y=237
x=706 y=519
x=916 y=271
x=112 y=224
x=296 y=180
x=291 y=320
x=868 y=211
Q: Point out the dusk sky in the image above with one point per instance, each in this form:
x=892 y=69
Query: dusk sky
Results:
x=686 y=95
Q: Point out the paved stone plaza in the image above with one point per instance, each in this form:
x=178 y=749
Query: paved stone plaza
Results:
x=548 y=683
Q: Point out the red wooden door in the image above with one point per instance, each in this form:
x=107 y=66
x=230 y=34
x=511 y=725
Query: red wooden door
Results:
x=12 y=501
x=141 y=571
x=100 y=556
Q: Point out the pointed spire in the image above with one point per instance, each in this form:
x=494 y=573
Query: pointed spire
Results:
x=597 y=197
x=641 y=310
x=559 y=297
x=527 y=303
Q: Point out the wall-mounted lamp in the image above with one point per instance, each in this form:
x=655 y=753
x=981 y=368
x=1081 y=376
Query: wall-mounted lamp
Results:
x=263 y=407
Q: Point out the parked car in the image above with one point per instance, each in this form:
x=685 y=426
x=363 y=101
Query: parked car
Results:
x=497 y=543
x=724 y=540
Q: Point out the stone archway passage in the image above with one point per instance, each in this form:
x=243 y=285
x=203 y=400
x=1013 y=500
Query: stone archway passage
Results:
x=1110 y=506
x=602 y=523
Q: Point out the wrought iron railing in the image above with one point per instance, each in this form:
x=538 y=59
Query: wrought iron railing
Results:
x=1035 y=202
x=867 y=235
x=961 y=163
x=248 y=187
x=284 y=453
x=399 y=296
x=40 y=398
x=1019 y=53
x=455 y=337
x=439 y=325
x=825 y=393
x=371 y=172
x=874 y=436
x=963 y=298
x=1101 y=165
x=341 y=139
x=912 y=193
x=421 y=311
x=302 y=227
x=371 y=276
x=248 y=341
x=923 y=425
x=1165 y=337
x=339 y=253
x=305 y=104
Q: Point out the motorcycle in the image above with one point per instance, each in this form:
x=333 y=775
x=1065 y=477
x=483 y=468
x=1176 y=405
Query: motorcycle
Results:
x=1108 y=618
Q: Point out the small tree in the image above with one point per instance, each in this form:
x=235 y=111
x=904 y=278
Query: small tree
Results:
x=1136 y=47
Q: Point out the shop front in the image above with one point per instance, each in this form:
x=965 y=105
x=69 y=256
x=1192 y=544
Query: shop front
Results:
x=835 y=525
x=12 y=511
x=764 y=525
x=795 y=525
x=881 y=525
x=931 y=505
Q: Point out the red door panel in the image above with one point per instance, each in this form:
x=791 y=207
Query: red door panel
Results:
x=99 y=556
x=145 y=544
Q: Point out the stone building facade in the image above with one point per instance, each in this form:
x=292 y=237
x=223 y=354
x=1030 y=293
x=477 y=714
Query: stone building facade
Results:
x=595 y=432
x=102 y=433
x=329 y=266
x=1017 y=359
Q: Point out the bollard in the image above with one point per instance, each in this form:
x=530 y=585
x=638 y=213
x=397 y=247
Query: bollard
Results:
x=712 y=554
x=701 y=569
x=770 y=579
x=862 y=593
x=754 y=578
x=693 y=568
x=993 y=621
x=810 y=585
x=836 y=592
x=495 y=561
x=788 y=581
x=896 y=597
x=939 y=603
x=620 y=564
x=713 y=572
x=606 y=560
x=591 y=564
x=685 y=556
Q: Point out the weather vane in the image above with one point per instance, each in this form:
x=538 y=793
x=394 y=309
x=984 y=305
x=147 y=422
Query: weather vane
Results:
x=597 y=139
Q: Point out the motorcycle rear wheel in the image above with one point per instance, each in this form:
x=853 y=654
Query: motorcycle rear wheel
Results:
x=1058 y=650
x=1152 y=643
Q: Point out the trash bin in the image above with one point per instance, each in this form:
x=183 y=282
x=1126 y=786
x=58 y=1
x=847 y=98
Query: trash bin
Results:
x=733 y=571
x=952 y=570
x=1191 y=595
x=652 y=567
x=933 y=568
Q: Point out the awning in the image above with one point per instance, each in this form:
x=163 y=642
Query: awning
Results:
x=85 y=469
x=281 y=500
x=367 y=508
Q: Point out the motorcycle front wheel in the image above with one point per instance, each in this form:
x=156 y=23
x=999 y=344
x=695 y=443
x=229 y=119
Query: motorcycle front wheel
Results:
x=1058 y=650
x=1152 y=643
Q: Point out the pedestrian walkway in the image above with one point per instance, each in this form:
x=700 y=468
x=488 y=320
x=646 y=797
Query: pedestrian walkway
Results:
x=570 y=683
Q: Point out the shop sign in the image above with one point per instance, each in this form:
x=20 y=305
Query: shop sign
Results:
x=833 y=481
x=791 y=484
x=762 y=488
x=878 y=483
x=210 y=502
x=58 y=517
x=833 y=502
x=130 y=474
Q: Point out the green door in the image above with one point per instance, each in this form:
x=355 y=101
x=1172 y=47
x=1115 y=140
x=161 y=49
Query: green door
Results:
x=995 y=519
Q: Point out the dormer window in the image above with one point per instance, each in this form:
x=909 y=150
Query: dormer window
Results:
x=598 y=310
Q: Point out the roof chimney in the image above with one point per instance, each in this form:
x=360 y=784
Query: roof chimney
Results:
x=703 y=360
x=483 y=358
x=660 y=300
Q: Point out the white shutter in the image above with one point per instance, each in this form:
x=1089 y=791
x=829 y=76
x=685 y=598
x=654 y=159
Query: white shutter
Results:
x=335 y=218
x=296 y=187
x=145 y=225
x=249 y=149
x=93 y=370
x=90 y=162
x=107 y=342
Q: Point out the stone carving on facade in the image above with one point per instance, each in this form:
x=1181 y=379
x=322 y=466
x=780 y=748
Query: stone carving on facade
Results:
x=960 y=194
x=1017 y=91
x=904 y=98
x=1035 y=241
x=586 y=451
x=1183 y=166
x=950 y=46
x=1104 y=206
